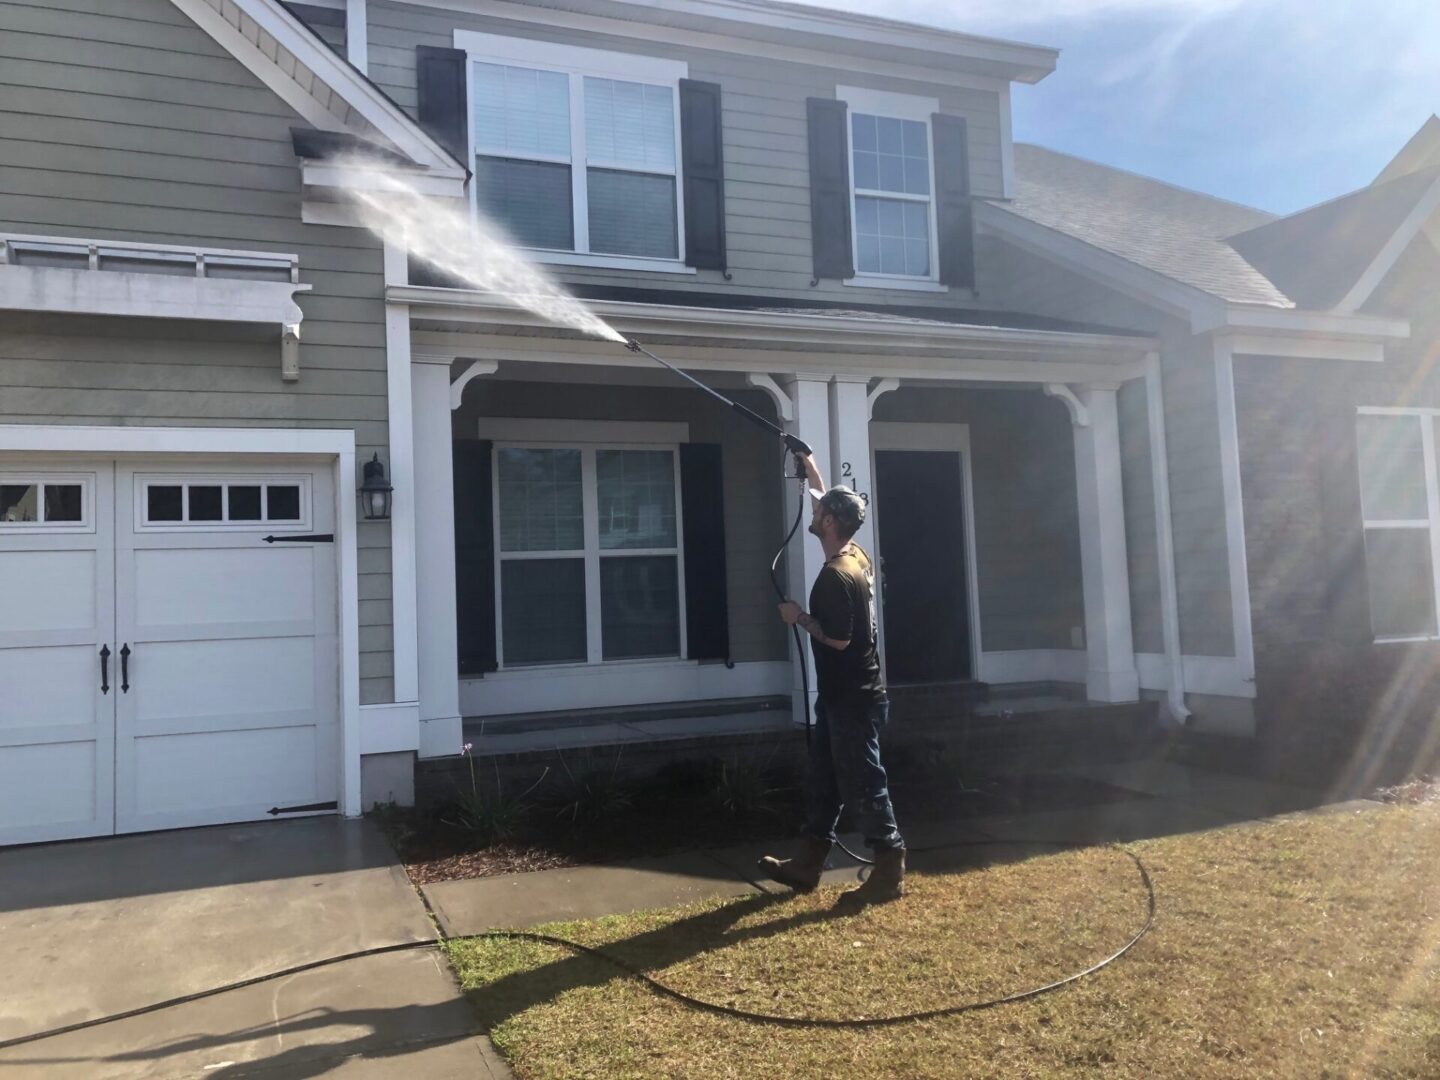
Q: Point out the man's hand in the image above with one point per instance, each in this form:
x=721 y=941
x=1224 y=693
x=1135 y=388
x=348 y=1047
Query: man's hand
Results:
x=790 y=612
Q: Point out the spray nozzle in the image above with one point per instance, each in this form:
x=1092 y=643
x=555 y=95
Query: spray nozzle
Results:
x=797 y=446
x=632 y=345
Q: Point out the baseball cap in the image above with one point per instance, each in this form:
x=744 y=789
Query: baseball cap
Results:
x=843 y=504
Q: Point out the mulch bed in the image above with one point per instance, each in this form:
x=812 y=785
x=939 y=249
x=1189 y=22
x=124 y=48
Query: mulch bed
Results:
x=1425 y=789
x=667 y=822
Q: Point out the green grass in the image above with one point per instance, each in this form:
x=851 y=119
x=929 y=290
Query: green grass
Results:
x=1301 y=947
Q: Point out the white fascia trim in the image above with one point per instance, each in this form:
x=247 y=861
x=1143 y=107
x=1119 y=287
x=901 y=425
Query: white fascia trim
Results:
x=1257 y=320
x=1385 y=261
x=390 y=729
x=159 y=296
x=1123 y=349
x=332 y=443
x=323 y=174
x=942 y=71
x=1120 y=273
x=1365 y=352
x=347 y=82
x=571 y=59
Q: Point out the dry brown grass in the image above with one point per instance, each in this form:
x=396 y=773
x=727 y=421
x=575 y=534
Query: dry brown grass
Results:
x=1304 y=947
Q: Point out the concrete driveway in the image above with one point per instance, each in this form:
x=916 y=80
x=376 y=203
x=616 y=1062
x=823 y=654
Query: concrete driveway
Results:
x=99 y=927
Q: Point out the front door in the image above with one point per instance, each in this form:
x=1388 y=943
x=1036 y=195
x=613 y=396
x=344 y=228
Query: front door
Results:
x=921 y=520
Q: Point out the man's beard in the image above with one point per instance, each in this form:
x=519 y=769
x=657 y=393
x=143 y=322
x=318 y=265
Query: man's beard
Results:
x=814 y=530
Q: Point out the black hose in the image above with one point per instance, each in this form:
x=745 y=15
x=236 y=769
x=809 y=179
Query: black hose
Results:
x=654 y=984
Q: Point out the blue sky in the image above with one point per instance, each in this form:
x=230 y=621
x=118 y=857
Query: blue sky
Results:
x=1278 y=104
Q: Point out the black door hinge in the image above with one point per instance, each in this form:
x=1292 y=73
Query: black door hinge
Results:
x=307 y=538
x=308 y=808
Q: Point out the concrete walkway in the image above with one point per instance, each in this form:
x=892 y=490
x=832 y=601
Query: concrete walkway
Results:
x=94 y=928
x=1153 y=799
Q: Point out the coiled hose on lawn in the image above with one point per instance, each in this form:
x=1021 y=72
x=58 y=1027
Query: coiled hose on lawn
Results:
x=654 y=984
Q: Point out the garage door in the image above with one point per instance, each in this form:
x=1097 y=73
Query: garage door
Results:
x=161 y=663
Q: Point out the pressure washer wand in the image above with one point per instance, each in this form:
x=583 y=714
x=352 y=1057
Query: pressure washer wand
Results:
x=794 y=445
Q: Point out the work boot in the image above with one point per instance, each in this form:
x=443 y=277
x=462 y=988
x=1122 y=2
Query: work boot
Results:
x=802 y=872
x=885 y=883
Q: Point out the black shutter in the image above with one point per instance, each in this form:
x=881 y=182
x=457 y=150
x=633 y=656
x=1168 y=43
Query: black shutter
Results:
x=702 y=491
x=702 y=157
x=955 y=215
x=474 y=557
x=829 y=188
x=440 y=80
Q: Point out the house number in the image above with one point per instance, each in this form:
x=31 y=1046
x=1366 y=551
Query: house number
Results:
x=847 y=473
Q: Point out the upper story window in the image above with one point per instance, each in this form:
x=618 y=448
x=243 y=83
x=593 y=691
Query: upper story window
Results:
x=576 y=150
x=892 y=184
x=1401 y=508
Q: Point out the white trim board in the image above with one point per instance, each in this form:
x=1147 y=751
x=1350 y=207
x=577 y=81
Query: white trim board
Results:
x=1388 y=255
x=391 y=728
x=336 y=444
x=763 y=45
x=556 y=689
x=1239 y=560
x=1220 y=676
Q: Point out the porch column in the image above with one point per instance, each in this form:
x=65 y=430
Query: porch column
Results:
x=439 y=664
x=850 y=444
x=810 y=402
x=1110 y=647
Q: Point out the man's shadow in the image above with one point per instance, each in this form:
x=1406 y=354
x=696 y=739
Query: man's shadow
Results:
x=418 y=1026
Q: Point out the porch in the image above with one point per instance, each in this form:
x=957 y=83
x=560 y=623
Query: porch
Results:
x=990 y=455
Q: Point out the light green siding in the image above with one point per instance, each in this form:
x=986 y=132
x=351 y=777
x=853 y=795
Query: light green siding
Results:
x=767 y=177
x=127 y=122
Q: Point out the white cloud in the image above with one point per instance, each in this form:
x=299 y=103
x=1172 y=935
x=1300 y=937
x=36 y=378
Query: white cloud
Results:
x=999 y=16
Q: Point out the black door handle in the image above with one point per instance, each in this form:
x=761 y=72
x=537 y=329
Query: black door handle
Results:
x=125 y=668
x=105 y=669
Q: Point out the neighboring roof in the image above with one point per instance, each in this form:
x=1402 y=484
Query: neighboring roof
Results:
x=1166 y=229
x=1318 y=255
x=1421 y=152
x=330 y=94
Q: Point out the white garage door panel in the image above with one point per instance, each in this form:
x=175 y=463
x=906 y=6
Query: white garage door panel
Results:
x=191 y=681
x=62 y=809
x=214 y=777
x=48 y=687
x=206 y=586
x=233 y=701
x=57 y=611
x=47 y=591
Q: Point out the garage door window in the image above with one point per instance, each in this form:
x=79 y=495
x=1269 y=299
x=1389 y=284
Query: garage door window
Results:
x=31 y=502
x=169 y=502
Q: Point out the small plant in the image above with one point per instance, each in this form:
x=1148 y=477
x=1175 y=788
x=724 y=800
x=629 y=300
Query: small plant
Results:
x=592 y=801
x=743 y=792
x=485 y=818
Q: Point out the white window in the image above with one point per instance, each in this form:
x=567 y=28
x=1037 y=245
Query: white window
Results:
x=588 y=557
x=576 y=150
x=60 y=503
x=892 y=188
x=1401 y=512
x=170 y=503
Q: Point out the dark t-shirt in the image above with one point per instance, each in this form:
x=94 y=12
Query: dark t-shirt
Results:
x=843 y=599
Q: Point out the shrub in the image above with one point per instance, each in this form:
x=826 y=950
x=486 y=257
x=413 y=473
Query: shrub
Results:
x=591 y=801
x=487 y=818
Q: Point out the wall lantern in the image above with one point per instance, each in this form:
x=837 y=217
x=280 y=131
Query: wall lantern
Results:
x=375 y=492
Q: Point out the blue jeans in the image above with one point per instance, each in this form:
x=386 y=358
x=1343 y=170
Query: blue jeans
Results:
x=844 y=767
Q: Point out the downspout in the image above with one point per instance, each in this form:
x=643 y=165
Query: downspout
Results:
x=1165 y=539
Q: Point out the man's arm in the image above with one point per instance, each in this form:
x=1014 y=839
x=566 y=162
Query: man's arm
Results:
x=794 y=616
x=812 y=475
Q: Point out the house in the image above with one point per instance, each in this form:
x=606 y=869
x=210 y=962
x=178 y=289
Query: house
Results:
x=1117 y=436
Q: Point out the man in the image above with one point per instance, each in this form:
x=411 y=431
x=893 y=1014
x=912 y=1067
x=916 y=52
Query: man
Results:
x=844 y=765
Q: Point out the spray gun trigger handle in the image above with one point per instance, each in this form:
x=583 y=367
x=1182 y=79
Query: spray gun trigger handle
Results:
x=632 y=345
x=797 y=446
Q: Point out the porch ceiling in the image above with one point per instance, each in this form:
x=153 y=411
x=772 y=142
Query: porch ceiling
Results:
x=467 y=324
